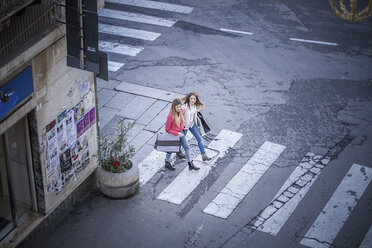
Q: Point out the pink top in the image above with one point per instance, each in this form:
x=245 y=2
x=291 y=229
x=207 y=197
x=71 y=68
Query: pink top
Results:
x=171 y=126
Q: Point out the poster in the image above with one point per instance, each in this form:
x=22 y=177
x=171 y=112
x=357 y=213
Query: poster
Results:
x=84 y=152
x=61 y=131
x=84 y=88
x=92 y=116
x=70 y=128
x=76 y=163
x=78 y=111
x=86 y=122
x=52 y=154
x=65 y=160
x=80 y=128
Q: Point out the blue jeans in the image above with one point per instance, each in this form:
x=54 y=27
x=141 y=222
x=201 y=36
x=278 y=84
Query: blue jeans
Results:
x=185 y=146
x=195 y=131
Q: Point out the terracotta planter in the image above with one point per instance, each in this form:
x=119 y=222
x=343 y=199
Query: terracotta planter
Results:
x=118 y=185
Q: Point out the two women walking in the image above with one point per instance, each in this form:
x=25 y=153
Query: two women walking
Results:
x=181 y=118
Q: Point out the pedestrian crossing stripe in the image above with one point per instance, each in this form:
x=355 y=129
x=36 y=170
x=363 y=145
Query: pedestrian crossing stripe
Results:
x=367 y=241
x=114 y=66
x=114 y=47
x=337 y=210
x=187 y=180
x=153 y=163
x=155 y=5
x=134 y=17
x=242 y=183
x=127 y=32
x=275 y=215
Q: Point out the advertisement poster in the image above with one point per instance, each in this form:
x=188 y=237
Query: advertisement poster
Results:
x=92 y=116
x=86 y=122
x=61 y=131
x=78 y=111
x=84 y=152
x=65 y=160
x=52 y=154
x=76 y=164
x=80 y=128
x=70 y=128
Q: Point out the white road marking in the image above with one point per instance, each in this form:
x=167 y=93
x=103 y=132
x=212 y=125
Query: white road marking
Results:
x=187 y=181
x=367 y=241
x=155 y=5
x=127 y=32
x=235 y=31
x=274 y=223
x=240 y=185
x=315 y=41
x=134 y=17
x=152 y=163
x=338 y=208
x=114 y=66
x=113 y=47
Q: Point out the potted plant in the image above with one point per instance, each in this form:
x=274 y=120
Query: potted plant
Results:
x=118 y=176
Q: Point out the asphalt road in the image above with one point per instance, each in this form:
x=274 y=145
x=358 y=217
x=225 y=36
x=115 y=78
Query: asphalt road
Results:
x=309 y=97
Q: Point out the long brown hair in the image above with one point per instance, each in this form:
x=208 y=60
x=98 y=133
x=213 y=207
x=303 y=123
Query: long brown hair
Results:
x=186 y=99
x=177 y=117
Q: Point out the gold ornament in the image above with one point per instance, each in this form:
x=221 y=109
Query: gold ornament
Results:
x=351 y=14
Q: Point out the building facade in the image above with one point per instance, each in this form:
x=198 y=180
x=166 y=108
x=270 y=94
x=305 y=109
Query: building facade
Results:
x=48 y=119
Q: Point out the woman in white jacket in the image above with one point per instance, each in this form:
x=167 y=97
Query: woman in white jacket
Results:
x=191 y=106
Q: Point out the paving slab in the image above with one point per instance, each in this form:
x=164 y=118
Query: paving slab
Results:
x=142 y=153
x=136 y=107
x=148 y=91
x=106 y=114
x=152 y=112
x=141 y=139
x=159 y=121
x=110 y=85
x=120 y=100
x=110 y=128
x=105 y=95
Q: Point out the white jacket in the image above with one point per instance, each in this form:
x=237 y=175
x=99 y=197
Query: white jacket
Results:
x=186 y=116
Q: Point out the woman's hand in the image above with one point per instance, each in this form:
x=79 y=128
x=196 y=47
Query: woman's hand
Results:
x=200 y=108
x=180 y=135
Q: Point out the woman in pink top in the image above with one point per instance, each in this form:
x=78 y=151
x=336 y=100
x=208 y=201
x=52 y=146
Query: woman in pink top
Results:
x=175 y=126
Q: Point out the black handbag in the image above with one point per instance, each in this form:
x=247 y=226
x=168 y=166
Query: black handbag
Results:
x=202 y=124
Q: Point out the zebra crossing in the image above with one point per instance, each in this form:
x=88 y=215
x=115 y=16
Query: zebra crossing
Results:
x=123 y=49
x=273 y=217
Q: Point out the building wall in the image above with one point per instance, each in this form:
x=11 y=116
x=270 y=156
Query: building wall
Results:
x=59 y=89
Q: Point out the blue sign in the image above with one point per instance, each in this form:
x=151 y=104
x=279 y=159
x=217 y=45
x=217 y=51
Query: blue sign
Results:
x=15 y=91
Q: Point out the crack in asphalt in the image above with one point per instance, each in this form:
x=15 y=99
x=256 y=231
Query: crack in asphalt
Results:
x=169 y=61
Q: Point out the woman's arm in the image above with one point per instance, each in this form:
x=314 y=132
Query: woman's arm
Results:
x=168 y=125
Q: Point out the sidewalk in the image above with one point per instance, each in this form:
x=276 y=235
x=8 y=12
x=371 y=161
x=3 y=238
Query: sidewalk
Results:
x=147 y=107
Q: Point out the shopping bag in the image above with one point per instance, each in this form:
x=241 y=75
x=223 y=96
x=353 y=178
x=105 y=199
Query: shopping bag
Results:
x=166 y=142
x=202 y=124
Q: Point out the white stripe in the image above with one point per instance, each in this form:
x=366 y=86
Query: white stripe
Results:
x=155 y=5
x=113 y=47
x=274 y=223
x=133 y=17
x=127 y=32
x=235 y=31
x=338 y=208
x=315 y=41
x=152 y=163
x=240 y=185
x=114 y=66
x=187 y=180
x=367 y=241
